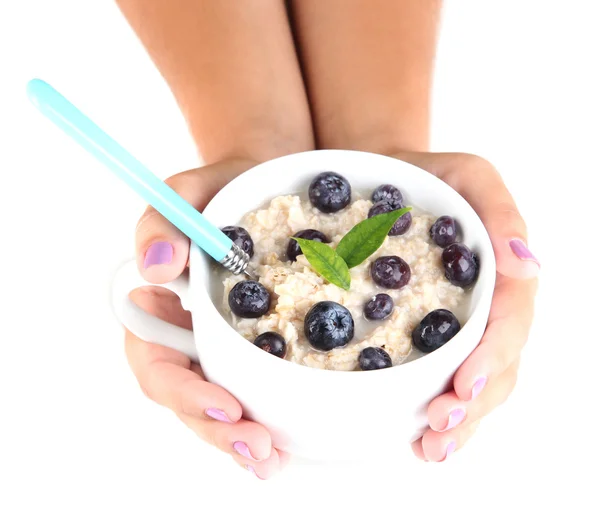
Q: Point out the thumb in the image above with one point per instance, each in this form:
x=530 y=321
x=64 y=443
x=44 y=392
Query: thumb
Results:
x=482 y=186
x=509 y=239
x=162 y=250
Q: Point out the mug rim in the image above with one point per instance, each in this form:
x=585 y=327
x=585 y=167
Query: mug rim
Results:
x=486 y=279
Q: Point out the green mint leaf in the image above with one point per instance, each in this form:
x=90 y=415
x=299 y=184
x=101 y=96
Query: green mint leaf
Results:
x=326 y=262
x=367 y=236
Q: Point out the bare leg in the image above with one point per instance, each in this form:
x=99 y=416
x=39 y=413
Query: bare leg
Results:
x=233 y=70
x=369 y=66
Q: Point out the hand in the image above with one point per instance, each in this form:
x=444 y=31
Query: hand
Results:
x=169 y=377
x=488 y=376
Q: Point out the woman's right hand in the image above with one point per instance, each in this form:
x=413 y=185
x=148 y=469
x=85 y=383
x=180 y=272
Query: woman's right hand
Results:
x=169 y=377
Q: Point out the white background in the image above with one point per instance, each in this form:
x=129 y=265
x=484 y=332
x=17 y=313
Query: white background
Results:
x=516 y=82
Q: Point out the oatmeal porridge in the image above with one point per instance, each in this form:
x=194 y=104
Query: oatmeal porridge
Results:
x=385 y=314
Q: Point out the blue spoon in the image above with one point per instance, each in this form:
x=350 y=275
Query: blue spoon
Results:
x=153 y=190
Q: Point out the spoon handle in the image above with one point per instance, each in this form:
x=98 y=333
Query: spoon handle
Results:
x=153 y=190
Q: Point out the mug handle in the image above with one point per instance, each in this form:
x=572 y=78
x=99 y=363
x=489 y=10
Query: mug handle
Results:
x=145 y=326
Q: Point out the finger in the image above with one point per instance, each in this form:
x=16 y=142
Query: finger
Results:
x=438 y=446
x=262 y=470
x=163 y=304
x=505 y=336
x=482 y=186
x=166 y=377
x=417 y=448
x=448 y=411
x=495 y=395
x=245 y=439
x=162 y=250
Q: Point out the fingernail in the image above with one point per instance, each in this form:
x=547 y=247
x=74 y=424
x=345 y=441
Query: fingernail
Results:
x=455 y=417
x=217 y=414
x=522 y=251
x=159 y=253
x=478 y=386
x=253 y=471
x=243 y=450
x=450 y=449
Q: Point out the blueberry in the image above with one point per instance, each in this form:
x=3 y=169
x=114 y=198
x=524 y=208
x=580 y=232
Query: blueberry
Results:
x=460 y=264
x=241 y=238
x=328 y=325
x=379 y=307
x=390 y=272
x=389 y=194
x=329 y=192
x=374 y=358
x=443 y=231
x=249 y=299
x=293 y=249
x=401 y=225
x=272 y=343
x=436 y=329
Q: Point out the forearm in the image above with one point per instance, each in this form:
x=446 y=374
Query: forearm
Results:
x=233 y=71
x=369 y=66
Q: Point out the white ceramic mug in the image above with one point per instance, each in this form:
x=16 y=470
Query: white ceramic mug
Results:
x=312 y=413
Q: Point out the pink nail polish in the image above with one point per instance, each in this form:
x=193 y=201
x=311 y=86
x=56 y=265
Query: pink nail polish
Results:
x=478 y=386
x=522 y=251
x=455 y=417
x=450 y=449
x=159 y=253
x=243 y=450
x=217 y=414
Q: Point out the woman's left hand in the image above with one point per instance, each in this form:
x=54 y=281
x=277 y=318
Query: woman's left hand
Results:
x=489 y=374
